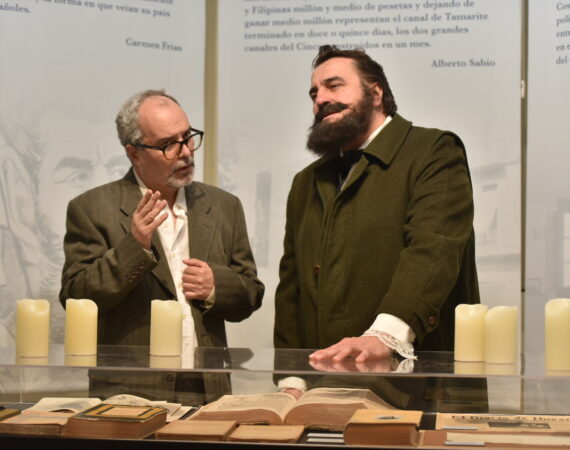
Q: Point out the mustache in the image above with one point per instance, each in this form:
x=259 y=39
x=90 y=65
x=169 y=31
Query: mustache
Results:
x=181 y=163
x=329 y=108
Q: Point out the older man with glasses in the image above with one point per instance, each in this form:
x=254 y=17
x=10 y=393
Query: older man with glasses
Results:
x=157 y=234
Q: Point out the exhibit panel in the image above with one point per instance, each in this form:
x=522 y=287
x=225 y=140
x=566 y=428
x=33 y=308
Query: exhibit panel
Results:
x=66 y=68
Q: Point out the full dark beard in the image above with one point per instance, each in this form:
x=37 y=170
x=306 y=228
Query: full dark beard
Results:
x=327 y=138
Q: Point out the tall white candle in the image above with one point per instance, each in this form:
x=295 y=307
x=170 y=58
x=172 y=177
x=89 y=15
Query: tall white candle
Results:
x=32 y=328
x=501 y=335
x=80 y=327
x=165 y=328
x=81 y=360
x=469 y=367
x=557 y=334
x=469 y=335
x=165 y=362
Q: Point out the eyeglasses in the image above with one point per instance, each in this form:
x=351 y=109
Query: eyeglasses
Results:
x=172 y=150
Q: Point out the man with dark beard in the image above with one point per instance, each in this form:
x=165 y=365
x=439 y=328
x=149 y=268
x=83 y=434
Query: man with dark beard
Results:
x=379 y=245
x=157 y=234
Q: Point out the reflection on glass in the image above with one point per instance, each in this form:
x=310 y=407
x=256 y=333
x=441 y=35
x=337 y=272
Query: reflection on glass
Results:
x=32 y=361
x=165 y=362
x=501 y=369
x=469 y=368
x=81 y=360
x=382 y=365
x=558 y=373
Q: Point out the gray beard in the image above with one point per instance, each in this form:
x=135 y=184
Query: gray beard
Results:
x=181 y=182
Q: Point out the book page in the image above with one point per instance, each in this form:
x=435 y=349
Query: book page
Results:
x=277 y=402
x=133 y=400
x=39 y=418
x=342 y=396
x=65 y=404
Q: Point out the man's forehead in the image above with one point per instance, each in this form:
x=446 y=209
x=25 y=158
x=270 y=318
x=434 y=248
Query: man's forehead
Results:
x=334 y=67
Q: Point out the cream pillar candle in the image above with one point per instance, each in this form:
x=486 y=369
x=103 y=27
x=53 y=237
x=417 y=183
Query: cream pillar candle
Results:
x=469 y=332
x=81 y=360
x=557 y=334
x=165 y=362
x=80 y=327
x=32 y=328
x=501 y=335
x=468 y=368
x=165 y=328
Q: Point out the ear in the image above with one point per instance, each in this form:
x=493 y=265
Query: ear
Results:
x=378 y=94
x=19 y=207
x=132 y=154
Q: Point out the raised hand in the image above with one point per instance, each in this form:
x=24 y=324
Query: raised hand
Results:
x=147 y=217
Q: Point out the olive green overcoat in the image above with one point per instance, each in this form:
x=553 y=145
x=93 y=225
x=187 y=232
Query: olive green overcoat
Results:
x=397 y=239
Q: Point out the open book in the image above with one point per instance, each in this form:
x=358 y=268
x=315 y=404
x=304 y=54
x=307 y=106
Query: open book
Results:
x=319 y=408
x=79 y=404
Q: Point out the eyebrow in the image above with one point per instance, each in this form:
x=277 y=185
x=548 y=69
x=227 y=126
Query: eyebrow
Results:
x=168 y=139
x=327 y=81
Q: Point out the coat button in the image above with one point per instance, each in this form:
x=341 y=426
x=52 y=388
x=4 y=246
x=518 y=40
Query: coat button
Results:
x=316 y=269
x=432 y=321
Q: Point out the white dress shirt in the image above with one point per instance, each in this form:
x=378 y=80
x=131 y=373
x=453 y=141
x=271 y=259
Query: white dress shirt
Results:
x=173 y=233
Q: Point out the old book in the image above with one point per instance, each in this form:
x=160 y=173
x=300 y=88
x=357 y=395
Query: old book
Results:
x=196 y=430
x=43 y=423
x=5 y=413
x=469 y=439
x=518 y=423
x=79 y=404
x=65 y=404
x=383 y=427
x=267 y=433
x=319 y=408
x=116 y=421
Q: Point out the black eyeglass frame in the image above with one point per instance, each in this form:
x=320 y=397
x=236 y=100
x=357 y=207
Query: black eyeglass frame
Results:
x=193 y=132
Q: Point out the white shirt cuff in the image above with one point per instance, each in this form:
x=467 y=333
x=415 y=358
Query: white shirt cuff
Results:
x=292 y=383
x=394 y=333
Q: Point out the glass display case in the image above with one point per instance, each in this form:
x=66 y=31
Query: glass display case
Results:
x=432 y=383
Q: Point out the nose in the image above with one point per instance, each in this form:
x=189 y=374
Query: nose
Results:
x=185 y=150
x=321 y=99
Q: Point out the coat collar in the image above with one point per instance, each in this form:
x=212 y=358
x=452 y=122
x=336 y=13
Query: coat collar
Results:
x=383 y=148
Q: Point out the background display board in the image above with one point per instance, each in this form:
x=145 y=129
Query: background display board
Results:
x=548 y=160
x=66 y=66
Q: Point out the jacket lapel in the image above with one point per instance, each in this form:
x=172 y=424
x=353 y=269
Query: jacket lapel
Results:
x=383 y=147
x=202 y=219
x=130 y=197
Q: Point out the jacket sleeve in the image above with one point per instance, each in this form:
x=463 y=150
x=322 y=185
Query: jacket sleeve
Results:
x=439 y=224
x=238 y=290
x=95 y=270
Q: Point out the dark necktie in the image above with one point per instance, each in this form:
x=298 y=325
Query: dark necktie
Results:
x=346 y=161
